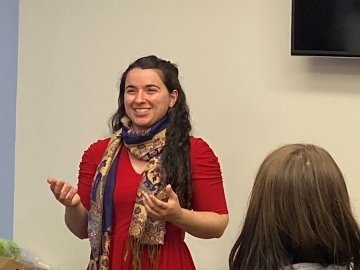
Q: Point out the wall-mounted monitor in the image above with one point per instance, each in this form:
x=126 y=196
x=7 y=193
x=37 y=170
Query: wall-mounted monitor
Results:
x=325 y=28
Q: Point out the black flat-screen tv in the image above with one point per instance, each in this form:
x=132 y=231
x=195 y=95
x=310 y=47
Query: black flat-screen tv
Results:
x=325 y=28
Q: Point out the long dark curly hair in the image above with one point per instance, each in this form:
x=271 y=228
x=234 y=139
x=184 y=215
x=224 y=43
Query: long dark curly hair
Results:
x=175 y=158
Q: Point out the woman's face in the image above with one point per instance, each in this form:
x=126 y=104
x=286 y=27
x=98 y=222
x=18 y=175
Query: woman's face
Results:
x=146 y=98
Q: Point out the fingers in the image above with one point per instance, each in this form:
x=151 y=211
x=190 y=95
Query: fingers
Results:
x=168 y=210
x=62 y=191
x=58 y=186
x=170 y=192
x=150 y=211
x=154 y=206
x=155 y=202
x=68 y=195
x=52 y=183
x=51 y=180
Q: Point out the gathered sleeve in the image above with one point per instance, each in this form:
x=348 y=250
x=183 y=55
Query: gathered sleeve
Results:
x=87 y=169
x=207 y=184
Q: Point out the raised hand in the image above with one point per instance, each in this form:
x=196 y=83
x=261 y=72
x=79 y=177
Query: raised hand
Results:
x=167 y=211
x=64 y=192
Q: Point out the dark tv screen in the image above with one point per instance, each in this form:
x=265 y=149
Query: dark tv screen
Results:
x=325 y=28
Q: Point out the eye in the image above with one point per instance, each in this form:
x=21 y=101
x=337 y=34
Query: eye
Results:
x=130 y=91
x=152 y=90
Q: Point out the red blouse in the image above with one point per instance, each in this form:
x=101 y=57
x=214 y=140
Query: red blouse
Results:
x=208 y=195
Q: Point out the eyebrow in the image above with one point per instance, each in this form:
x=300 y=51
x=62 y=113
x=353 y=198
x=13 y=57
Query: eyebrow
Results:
x=146 y=86
x=152 y=85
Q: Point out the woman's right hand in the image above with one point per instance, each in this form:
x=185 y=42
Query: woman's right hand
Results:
x=64 y=192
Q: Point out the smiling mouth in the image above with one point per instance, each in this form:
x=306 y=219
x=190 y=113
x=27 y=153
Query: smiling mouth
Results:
x=141 y=110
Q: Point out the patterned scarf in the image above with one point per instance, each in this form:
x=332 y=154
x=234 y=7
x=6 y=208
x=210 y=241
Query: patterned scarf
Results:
x=143 y=229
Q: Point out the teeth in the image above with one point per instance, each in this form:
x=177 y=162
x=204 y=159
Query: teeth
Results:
x=141 y=110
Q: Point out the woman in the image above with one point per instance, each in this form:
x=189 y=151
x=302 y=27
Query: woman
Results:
x=299 y=215
x=140 y=190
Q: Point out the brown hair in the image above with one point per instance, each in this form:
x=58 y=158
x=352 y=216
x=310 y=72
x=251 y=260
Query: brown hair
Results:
x=299 y=211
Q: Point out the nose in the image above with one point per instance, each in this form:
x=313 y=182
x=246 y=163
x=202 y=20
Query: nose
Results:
x=139 y=96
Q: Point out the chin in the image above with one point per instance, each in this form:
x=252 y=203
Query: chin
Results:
x=141 y=126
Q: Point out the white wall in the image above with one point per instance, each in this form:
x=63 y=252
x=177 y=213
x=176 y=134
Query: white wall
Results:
x=246 y=93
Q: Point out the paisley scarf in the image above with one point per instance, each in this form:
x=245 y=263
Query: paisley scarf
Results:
x=143 y=231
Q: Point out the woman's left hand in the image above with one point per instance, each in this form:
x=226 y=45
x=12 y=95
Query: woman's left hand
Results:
x=166 y=211
x=201 y=224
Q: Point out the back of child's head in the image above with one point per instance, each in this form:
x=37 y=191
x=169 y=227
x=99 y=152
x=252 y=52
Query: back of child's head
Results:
x=299 y=211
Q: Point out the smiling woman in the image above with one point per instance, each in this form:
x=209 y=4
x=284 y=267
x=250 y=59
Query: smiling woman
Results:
x=146 y=98
x=140 y=190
